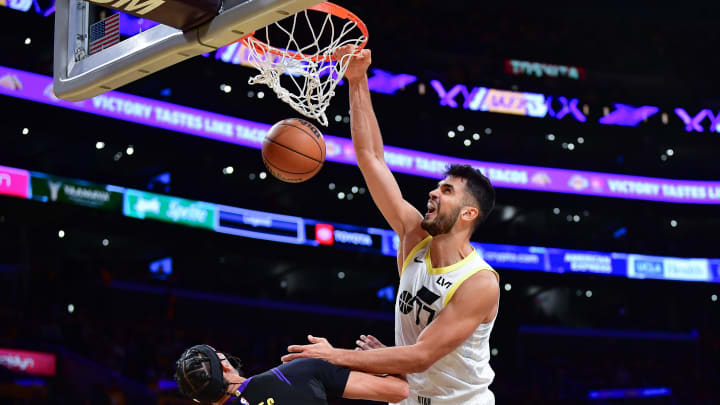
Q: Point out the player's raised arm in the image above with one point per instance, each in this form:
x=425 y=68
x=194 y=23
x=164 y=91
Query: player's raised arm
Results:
x=367 y=140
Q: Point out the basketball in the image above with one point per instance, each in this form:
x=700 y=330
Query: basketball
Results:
x=293 y=150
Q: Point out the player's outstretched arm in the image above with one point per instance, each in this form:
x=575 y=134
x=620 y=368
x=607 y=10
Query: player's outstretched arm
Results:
x=373 y=388
x=475 y=302
x=368 y=144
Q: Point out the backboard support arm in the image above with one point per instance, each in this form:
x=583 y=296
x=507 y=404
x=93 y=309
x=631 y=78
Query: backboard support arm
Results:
x=80 y=76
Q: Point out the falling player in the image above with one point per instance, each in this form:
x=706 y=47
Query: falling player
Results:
x=210 y=377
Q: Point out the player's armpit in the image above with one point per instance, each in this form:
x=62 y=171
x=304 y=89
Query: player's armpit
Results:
x=366 y=386
x=475 y=302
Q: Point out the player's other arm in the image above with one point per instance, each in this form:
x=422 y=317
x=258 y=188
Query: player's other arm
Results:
x=341 y=382
x=368 y=144
x=475 y=302
x=374 y=388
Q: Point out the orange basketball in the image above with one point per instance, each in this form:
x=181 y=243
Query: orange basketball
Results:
x=293 y=150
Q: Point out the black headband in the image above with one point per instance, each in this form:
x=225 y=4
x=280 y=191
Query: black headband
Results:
x=215 y=389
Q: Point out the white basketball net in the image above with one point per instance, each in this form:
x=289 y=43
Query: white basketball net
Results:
x=309 y=80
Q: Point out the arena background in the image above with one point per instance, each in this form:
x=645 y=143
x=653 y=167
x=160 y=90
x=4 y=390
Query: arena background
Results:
x=114 y=299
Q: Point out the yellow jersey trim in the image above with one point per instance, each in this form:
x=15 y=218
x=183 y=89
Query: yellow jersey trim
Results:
x=413 y=251
x=457 y=284
x=442 y=270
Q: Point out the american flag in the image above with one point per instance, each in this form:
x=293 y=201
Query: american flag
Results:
x=105 y=33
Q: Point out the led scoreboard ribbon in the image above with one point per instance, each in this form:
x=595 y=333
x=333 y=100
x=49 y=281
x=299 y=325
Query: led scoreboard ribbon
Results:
x=173 y=117
x=305 y=231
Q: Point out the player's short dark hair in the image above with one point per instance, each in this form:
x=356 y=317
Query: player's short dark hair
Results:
x=479 y=187
x=198 y=376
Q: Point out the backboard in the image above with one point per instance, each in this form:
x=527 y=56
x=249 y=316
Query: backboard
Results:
x=153 y=34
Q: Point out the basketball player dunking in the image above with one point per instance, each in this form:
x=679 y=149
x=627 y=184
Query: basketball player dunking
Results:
x=448 y=296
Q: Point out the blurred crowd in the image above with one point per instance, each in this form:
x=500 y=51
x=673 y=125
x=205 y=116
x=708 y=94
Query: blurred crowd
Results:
x=118 y=346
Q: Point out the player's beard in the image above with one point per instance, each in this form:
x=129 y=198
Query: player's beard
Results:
x=442 y=223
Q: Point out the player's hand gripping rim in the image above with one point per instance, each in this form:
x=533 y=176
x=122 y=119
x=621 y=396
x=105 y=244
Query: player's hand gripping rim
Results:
x=358 y=63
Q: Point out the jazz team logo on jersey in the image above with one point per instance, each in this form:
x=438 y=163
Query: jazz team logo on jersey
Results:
x=424 y=298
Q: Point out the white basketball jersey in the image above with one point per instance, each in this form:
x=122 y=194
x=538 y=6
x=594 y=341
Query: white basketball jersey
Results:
x=461 y=377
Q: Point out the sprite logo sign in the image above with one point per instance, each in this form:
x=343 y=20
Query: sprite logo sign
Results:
x=139 y=204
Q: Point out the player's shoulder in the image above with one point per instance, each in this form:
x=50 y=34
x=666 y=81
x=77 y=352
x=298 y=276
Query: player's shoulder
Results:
x=331 y=377
x=485 y=277
x=304 y=364
x=310 y=367
x=482 y=280
x=479 y=294
x=480 y=269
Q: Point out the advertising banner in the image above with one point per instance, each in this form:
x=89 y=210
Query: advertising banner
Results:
x=35 y=363
x=293 y=229
x=516 y=257
x=538 y=69
x=224 y=128
x=14 y=182
x=144 y=205
x=668 y=268
x=20 y=5
x=260 y=225
x=77 y=192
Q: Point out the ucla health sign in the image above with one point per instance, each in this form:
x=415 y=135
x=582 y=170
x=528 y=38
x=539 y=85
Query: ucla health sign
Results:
x=668 y=268
x=144 y=205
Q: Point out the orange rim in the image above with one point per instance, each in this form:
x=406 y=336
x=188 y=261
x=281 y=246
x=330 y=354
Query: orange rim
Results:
x=325 y=7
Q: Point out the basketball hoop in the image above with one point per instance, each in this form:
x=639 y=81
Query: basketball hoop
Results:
x=309 y=72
